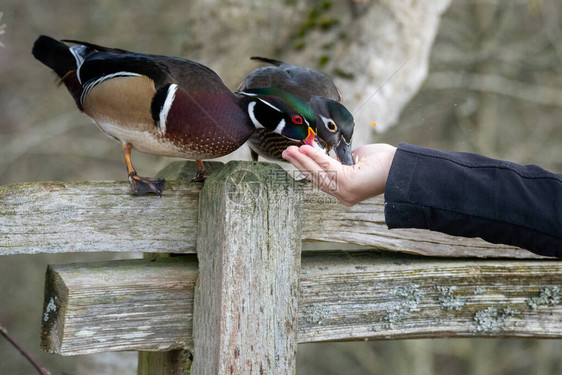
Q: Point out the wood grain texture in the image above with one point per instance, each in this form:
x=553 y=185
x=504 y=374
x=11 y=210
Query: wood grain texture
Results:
x=364 y=224
x=177 y=361
x=342 y=296
x=119 y=306
x=104 y=216
x=249 y=244
x=96 y=216
x=363 y=295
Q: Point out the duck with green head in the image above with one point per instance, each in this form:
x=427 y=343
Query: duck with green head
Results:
x=334 y=123
x=159 y=104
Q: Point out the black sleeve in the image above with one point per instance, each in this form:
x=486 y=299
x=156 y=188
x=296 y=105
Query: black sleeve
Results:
x=473 y=196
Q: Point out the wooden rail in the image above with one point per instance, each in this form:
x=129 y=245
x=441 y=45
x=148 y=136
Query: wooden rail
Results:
x=55 y=217
x=248 y=296
x=148 y=304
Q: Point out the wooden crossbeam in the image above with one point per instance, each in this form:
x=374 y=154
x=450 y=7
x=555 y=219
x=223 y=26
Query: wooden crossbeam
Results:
x=55 y=217
x=148 y=305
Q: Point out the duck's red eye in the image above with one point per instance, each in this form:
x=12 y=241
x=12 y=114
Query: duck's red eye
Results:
x=297 y=120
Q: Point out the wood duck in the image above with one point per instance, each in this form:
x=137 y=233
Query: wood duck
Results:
x=158 y=104
x=334 y=123
x=290 y=113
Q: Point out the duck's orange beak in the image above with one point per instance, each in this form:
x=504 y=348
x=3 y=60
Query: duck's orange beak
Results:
x=311 y=139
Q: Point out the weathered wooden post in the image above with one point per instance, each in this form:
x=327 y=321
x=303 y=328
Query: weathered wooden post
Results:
x=235 y=309
x=248 y=246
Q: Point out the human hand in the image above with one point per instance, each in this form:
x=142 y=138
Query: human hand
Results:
x=350 y=184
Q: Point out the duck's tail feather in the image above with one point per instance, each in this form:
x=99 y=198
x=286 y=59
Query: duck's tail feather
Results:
x=56 y=55
x=267 y=60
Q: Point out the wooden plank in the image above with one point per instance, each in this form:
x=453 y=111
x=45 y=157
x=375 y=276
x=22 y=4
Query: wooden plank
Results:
x=176 y=362
x=100 y=307
x=104 y=216
x=249 y=244
x=343 y=296
x=96 y=216
x=364 y=224
x=354 y=296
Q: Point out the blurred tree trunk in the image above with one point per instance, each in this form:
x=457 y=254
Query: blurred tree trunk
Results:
x=486 y=17
x=377 y=51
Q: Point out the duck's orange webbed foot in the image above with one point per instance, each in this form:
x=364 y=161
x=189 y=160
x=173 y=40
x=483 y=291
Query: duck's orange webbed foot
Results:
x=146 y=185
x=141 y=185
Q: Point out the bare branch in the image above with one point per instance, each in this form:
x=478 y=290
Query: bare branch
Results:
x=25 y=353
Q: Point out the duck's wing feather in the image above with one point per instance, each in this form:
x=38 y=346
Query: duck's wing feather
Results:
x=298 y=80
x=93 y=46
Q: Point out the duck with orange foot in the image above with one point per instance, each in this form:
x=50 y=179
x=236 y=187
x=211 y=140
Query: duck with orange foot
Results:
x=156 y=104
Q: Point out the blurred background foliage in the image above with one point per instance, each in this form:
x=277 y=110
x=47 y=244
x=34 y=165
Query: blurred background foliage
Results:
x=494 y=87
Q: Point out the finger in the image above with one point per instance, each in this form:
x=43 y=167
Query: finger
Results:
x=324 y=179
x=326 y=162
x=320 y=169
x=290 y=153
x=306 y=165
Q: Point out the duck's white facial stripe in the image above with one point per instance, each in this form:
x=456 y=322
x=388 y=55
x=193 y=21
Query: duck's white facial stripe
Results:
x=77 y=52
x=91 y=84
x=279 y=128
x=246 y=93
x=255 y=121
x=269 y=104
x=167 y=105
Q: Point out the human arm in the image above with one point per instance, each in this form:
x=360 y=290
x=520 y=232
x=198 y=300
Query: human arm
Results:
x=471 y=195
x=455 y=193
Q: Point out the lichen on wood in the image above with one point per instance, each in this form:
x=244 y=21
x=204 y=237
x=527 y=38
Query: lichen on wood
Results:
x=148 y=305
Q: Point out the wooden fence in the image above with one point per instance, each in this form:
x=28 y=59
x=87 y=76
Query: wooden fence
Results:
x=250 y=294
